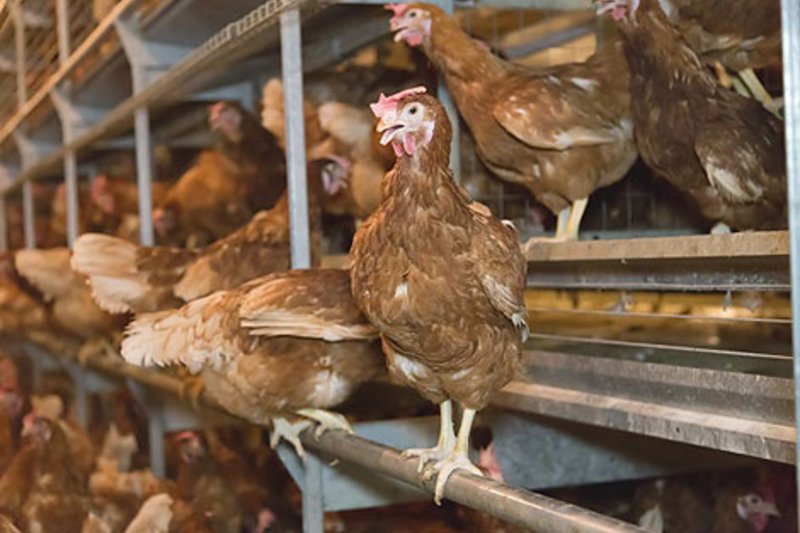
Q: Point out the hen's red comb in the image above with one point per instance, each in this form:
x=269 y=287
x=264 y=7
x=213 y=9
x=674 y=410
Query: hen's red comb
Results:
x=186 y=435
x=388 y=104
x=397 y=9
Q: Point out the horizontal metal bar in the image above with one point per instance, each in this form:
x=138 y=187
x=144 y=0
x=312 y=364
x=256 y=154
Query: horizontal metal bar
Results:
x=657 y=316
x=659 y=346
x=742 y=244
x=513 y=505
x=766 y=440
x=687 y=274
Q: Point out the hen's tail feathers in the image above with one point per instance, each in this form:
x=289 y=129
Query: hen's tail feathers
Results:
x=110 y=264
x=189 y=336
x=47 y=270
x=154 y=516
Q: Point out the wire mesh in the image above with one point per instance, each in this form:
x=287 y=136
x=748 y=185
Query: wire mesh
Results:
x=8 y=67
x=41 y=42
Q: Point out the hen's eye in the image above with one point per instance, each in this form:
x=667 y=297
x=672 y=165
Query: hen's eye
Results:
x=412 y=15
x=412 y=110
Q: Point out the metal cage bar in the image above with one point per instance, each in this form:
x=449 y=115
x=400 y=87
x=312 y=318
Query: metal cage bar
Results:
x=790 y=16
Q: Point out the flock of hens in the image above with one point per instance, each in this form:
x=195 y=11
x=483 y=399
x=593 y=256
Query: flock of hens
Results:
x=435 y=290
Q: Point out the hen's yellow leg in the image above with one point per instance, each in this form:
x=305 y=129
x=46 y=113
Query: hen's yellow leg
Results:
x=446 y=443
x=290 y=432
x=458 y=459
x=562 y=223
x=575 y=217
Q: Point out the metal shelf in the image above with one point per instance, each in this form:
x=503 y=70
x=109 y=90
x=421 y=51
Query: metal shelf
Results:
x=508 y=503
x=734 y=262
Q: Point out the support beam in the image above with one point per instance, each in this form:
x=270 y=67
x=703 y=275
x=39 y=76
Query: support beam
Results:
x=155 y=426
x=62 y=20
x=313 y=515
x=19 y=46
x=292 y=67
x=144 y=175
x=452 y=111
x=3 y=225
x=149 y=61
x=28 y=215
x=790 y=16
x=75 y=120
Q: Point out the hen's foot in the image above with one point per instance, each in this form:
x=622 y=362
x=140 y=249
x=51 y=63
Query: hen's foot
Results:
x=326 y=421
x=290 y=432
x=444 y=468
x=92 y=348
x=426 y=455
x=720 y=228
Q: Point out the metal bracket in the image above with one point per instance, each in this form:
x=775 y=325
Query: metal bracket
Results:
x=246 y=93
x=75 y=119
x=149 y=59
x=33 y=150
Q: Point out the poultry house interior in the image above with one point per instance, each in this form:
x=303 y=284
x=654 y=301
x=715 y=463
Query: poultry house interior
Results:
x=450 y=266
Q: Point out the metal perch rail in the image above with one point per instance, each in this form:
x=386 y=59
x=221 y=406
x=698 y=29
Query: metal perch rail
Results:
x=514 y=505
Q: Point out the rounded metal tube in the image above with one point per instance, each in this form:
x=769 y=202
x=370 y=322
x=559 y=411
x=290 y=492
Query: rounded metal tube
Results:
x=517 y=506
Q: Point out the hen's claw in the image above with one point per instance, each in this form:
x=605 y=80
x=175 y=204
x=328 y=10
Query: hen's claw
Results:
x=444 y=468
x=326 y=421
x=426 y=455
x=290 y=432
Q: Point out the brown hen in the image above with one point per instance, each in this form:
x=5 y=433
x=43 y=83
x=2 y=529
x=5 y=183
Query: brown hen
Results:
x=562 y=132
x=242 y=175
x=127 y=277
x=724 y=151
x=440 y=278
x=57 y=499
x=286 y=344
x=73 y=308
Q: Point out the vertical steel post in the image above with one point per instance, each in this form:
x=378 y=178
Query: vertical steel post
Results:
x=71 y=188
x=62 y=18
x=68 y=128
x=313 y=516
x=28 y=215
x=3 y=225
x=292 y=70
x=81 y=396
x=19 y=47
x=790 y=16
x=452 y=111
x=155 y=425
x=144 y=175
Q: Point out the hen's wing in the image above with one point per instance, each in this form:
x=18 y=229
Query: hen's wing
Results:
x=48 y=271
x=557 y=111
x=314 y=304
x=501 y=268
x=127 y=277
x=260 y=247
x=738 y=150
x=200 y=333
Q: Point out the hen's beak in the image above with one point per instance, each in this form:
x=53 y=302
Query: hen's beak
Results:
x=767 y=508
x=390 y=128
